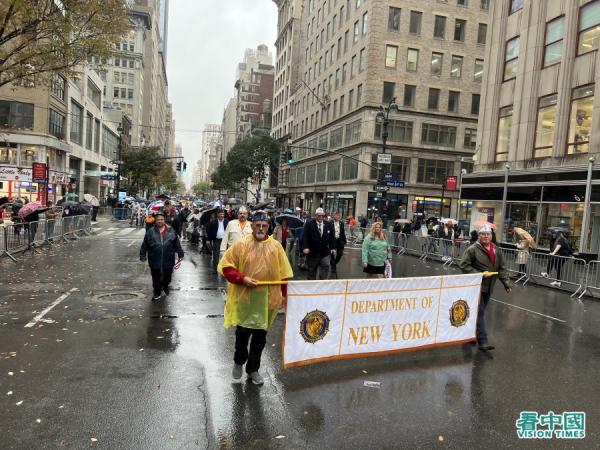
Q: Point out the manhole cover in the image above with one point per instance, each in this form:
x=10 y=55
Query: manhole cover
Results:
x=118 y=296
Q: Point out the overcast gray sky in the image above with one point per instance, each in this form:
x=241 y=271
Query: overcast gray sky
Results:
x=206 y=41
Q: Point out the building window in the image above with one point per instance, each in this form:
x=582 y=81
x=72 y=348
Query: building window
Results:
x=484 y=4
x=353 y=131
x=511 y=58
x=515 y=5
x=478 y=70
x=89 y=127
x=365 y=23
x=336 y=137
x=475 y=103
x=359 y=90
x=353 y=67
x=436 y=63
x=57 y=86
x=333 y=170
x=555 y=32
x=16 y=115
x=415 y=22
x=460 y=27
x=412 y=60
x=400 y=167
x=580 y=123
x=350 y=99
x=433 y=99
x=470 y=140
x=388 y=92
x=76 y=123
x=97 y=136
x=355 y=35
x=462 y=3
x=456 y=66
x=56 y=124
x=391 y=55
x=433 y=134
x=439 y=28
x=409 y=95
x=361 y=60
x=589 y=27
x=546 y=124
x=453 y=100
x=398 y=131
x=504 y=130
x=349 y=169
x=394 y=19
x=434 y=171
x=481 y=33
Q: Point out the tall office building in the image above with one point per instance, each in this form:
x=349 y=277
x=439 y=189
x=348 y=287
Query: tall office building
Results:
x=359 y=55
x=536 y=122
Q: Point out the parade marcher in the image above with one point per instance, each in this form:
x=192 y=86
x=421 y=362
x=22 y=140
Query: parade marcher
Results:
x=484 y=256
x=376 y=251
x=50 y=220
x=282 y=233
x=236 y=229
x=318 y=245
x=251 y=307
x=215 y=234
x=339 y=241
x=193 y=225
x=183 y=215
x=352 y=226
x=159 y=248
x=170 y=214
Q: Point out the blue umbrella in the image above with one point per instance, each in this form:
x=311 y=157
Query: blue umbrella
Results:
x=292 y=221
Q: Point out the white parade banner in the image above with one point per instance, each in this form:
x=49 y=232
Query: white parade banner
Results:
x=341 y=319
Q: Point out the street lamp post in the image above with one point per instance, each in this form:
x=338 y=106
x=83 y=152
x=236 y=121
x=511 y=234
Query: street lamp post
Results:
x=586 y=207
x=504 y=197
x=120 y=148
x=383 y=117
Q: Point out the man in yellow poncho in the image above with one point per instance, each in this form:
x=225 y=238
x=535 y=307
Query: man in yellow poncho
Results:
x=250 y=305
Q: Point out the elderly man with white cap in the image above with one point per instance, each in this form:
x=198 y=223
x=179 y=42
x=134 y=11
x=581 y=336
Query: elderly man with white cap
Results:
x=318 y=244
x=484 y=256
x=236 y=229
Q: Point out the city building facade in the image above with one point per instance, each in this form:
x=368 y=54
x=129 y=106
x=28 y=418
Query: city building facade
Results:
x=359 y=55
x=538 y=151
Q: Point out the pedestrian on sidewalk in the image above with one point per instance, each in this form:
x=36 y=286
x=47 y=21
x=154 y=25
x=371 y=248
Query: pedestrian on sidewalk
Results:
x=215 y=234
x=251 y=307
x=559 y=250
x=160 y=246
x=446 y=234
x=339 y=242
x=484 y=256
x=376 y=251
x=318 y=245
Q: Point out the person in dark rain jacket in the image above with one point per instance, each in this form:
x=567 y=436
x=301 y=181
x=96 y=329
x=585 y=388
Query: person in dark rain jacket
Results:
x=160 y=246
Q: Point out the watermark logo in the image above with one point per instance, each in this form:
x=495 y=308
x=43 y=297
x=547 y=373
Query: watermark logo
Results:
x=568 y=425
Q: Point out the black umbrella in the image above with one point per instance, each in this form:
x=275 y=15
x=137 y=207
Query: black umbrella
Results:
x=260 y=206
x=292 y=221
x=163 y=197
x=206 y=215
x=3 y=200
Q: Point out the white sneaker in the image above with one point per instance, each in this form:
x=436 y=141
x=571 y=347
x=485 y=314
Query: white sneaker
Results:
x=544 y=274
x=555 y=284
x=256 y=378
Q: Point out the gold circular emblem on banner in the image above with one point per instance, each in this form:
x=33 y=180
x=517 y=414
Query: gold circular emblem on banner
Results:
x=459 y=313
x=314 y=326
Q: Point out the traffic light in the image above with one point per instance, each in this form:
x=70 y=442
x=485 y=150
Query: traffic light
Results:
x=178 y=166
x=184 y=166
x=290 y=158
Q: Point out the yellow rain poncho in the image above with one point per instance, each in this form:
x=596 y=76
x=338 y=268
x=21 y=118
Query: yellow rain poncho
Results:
x=264 y=261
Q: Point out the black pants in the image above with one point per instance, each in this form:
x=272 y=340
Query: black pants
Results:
x=95 y=212
x=482 y=337
x=216 y=252
x=160 y=279
x=241 y=356
x=320 y=264
x=339 y=253
x=555 y=262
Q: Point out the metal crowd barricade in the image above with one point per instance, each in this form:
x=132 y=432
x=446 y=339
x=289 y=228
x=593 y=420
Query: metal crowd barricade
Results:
x=559 y=269
x=121 y=213
x=15 y=239
x=515 y=263
x=36 y=235
x=68 y=228
x=592 y=279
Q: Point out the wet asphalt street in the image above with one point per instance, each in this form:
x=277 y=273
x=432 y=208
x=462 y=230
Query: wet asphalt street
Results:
x=105 y=368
